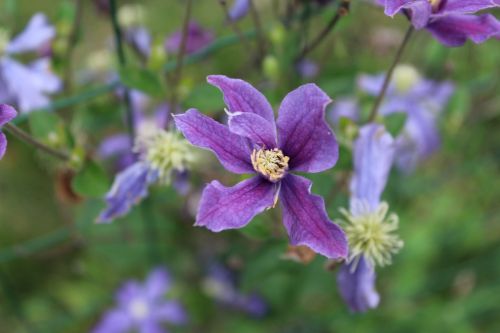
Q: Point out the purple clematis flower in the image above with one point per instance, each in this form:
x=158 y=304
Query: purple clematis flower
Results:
x=28 y=86
x=369 y=232
x=142 y=307
x=253 y=143
x=7 y=113
x=450 y=21
x=222 y=286
x=197 y=39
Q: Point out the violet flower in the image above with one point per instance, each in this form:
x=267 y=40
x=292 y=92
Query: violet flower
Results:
x=142 y=307
x=450 y=21
x=253 y=143
x=367 y=226
x=28 y=86
x=239 y=9
x=197 y=39
x=7 y=113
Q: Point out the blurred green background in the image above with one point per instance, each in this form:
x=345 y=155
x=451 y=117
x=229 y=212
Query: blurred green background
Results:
x=58 y=270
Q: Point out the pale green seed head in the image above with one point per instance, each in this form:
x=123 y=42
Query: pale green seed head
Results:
x=371 y=233
x=405 y=77
x=131 y=15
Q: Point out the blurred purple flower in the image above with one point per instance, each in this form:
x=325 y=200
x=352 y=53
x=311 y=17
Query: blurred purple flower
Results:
x=28 y=86
x=239 y=9
x=221 y=285
x=307 y=69
x=7 y=113
x=197 y=39
x=253 y=143
x=450 y=21
x=344 y=107
x=422 y=100
x=142 y=307
x=140 y=39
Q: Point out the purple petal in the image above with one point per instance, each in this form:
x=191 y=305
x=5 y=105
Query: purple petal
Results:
x=232 y=150
x=307 y=69
x=118 y=144
x=157 y=283
x=371 y=84
x=357 y=287
x=197 y=38
x=254 y=127
x=346 y=108
x=453 y=30
x=224 y=208
x=373 y=156
x=128 y=292
x=114 y=321
x=150 y=326
x=303 y=133
x=420 y=10
x=3 y=145
x=241 y=96
x=171 y=311
x=130 y=187
x=239 y=9
x=306 y=220
x=7 y=113
x=140 y=39
x=468 y=6
x=35 y=35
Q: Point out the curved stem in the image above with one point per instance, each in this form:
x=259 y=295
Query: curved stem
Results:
x=388 y=76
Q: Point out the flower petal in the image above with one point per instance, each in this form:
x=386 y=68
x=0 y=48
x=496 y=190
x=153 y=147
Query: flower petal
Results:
x=232 y=150
x=453 y=30
x=241 y=96
x=303 y=133
x=170 y=311
x=347 y=107
x=7 y=113
x=239 y=9
x=140 y=39
x=254 y=127
x=306 y=220
x=224 y=208
x=373 y=156
x=37 y=32
x=420 y=10
x=114 y=321
x=357 y=287
x=468 y=6
x=3 y=145
x=157 y=283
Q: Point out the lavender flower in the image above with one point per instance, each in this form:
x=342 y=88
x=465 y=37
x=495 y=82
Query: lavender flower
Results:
x=142 y=307
x=450 y=21
x=239 y=9
x=221 y=285
x=367 y=226
x=422 y=100
x=300 y=140
x=197 y=38
x=7 y=113
x=346 y=107
x=28 y=86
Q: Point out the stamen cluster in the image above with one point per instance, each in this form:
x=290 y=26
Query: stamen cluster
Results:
x=271 y=163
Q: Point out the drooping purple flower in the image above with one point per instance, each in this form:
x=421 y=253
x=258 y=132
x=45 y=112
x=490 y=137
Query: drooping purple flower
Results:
x=423 y=101
x=253 y=143
x=239 y=9
x=197 y=38
x=28 y=86
x=222 y=286
x=142 y=307
x=7 y=113
x=450 y=21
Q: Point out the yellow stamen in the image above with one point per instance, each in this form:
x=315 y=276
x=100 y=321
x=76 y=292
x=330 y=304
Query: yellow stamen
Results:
x=271 y=163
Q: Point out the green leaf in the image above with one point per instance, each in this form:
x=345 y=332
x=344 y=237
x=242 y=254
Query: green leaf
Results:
x=141 y=79
x=91 y=181
x=205 y=97
x=395 y=122
x=48 y=128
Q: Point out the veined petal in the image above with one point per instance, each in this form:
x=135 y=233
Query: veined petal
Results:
x=224 y=208
x=303 y=133
x=454 y=29
x=373 y=156
x=35 y=35
x=357 y=285
x=306 y=220
x=232 y=150
x=3 y=145
x=252 y=126
x=468 y=6
x=7 y=113
x=241 y=96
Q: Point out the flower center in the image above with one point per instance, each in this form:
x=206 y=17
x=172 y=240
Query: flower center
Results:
x=435 y=4
x=405 y=77
x=271 y=163
x=370 y=233
x=138 y=309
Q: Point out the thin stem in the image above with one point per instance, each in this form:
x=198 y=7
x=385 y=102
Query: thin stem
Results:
x=129 y=115
x=177 y=75
x=388 y=76
x=23 y=136
x=261 y=42
x=342 y=11
x=234 y=26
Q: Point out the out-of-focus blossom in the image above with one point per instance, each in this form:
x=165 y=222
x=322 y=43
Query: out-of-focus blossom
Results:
x=140 y=39
x=368 y=228
x=7 y=113
x=197 y=38
x=422 y=100
x=450 y=21
x=221 y=285
x=239 y=9
x=254 y=143
x=346 y=107
x=131 y=15
x=28 y=86
x=143 y=308
x=307 y=69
